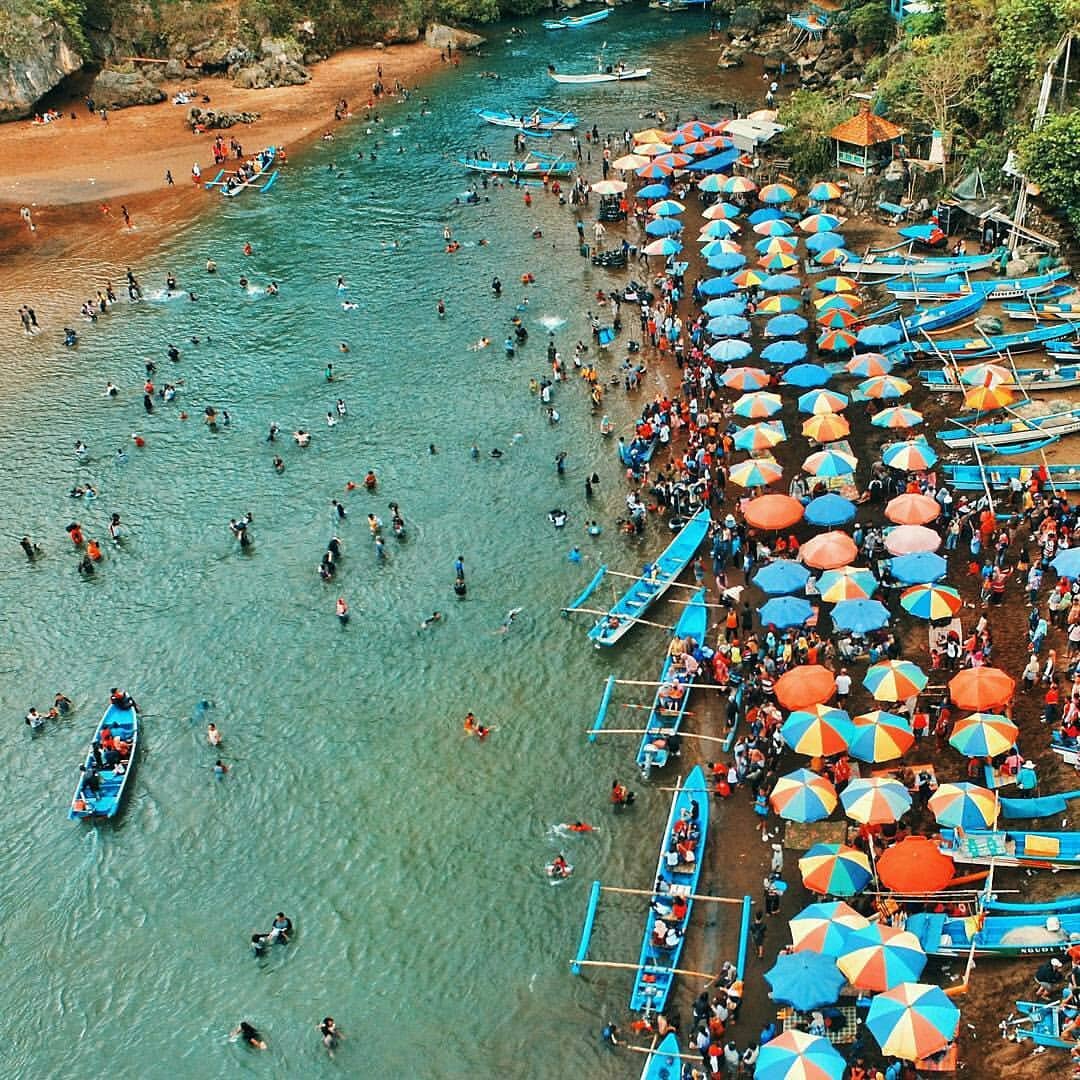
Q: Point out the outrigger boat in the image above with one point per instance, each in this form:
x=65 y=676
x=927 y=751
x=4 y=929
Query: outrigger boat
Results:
x=995 y=289
x=663 y=1063
x=534 y=165
x=970 y=478
x=1037 y=311
x=250 y=174
x=1036 y=850
x=1042 y=1022
x=659 y=576
x=611 y=73
x=994 y=935
x=575 y=22
x=111 y=779
x=1011 y=432
x=914 y=266
x=923 y=320
x=665 y=719
x=977 y=348
x=638 y=451
x=538 y=121
x=944 y=380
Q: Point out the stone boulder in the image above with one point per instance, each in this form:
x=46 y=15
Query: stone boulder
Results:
x=34 y=58
x=212 y=118
x=273 y=71
x=439 y=36
x=745 y=17
x=218 y=56
x=279 y=49
x=121 y=89
x=730 y=57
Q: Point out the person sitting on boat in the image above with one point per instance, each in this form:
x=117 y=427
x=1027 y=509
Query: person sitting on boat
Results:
x=91 y=782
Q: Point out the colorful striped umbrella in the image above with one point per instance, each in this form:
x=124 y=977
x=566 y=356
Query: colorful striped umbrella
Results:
x=779 y=305
x=985 y=374
x=781 y=576
x=827 y=463
x=818 y=731
x=769 y=245
x=666 y=245
x=880 y=957
x=665 y=207
x=824 y=191
x=895 y=680
x=847 y=583
x=964 y=806
x=835 y=870
x=719 y=247
x=826 y=303
x=838 y=319
x=675 y=160
x=803 y=796
x=748 y=279
x=909 y=539
x=773 y=511
x=984 y=734
x=867 y=365
x=836 y=340
x=695 y=147
x=829 y=510
x=777 y=193
x=987 y=398
x=738 y=185
x=758 y=472
x=784 y=612
x=884 y=386
x=629 y=161
x=773 y=227
x=821 y=401
x=763 y=435
x=834 y=256
x=804 y=686
x=838 y=284
x=819 y=223
x=758 y=405
x=825 y=927
x=652 y=135
x=913 y=1021
x=778 y=260
x=876 y=800
x=880 y=736
x=718 y=229
x=654 y=171
x=713 y=184
x=931 y=602
x=745 y=378
x=897 y=416
x=795 y=1055
x=692 y=130
x=826 y=427
x=720 y=210
x=911 y=456
x=828 y=550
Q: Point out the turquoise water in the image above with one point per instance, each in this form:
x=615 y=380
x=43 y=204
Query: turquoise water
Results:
x=409 y=856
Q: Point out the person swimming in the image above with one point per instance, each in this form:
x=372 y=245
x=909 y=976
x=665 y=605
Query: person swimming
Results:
x=511 y=615
x=431 y=620
x=342 y=611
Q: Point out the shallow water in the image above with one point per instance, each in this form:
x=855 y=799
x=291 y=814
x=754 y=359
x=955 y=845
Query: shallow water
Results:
x=410 y=858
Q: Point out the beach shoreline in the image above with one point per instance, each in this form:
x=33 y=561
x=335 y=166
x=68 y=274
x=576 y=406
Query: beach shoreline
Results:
x=66 y=172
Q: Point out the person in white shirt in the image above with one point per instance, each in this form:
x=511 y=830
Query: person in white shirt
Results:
x=843 y=684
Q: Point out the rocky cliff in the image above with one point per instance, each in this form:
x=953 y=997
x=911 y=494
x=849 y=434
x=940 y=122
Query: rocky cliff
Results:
x=36 y=53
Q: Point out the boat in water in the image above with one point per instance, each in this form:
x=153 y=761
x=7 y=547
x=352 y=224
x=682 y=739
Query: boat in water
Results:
x=663 y=1062
x=676 y=679
x=252 y=173
x=576 y=22
x=537 y=165
x=535 y=121
x=109 y=761
x=672 y=900
x=657 y=578
x=638 y=451
x=604 y=74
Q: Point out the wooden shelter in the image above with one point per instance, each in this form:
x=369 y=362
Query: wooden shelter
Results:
x=865 y=141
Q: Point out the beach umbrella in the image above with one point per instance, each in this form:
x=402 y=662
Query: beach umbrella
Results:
x=769 y=245
x=783 y=352
x=827 y=303
x=912 y=508
x=653 y=191
x=749 y=279
x=878 y=335
x=964 y=806
x=833 y=257
x=691 y=131
x=778 y=260
x=780 y=305
x=825 y=428
x=695 y=147
x=880 y=736
x=804 y=686
x=818 y=731
x=744 y=378
x=829 y=462
x=775 y=194
x=713 y=184
x=728 y=326
x=876 y=800
x=630 y=161
x=824 y=191
x=835 y=870
x=819 y=223
x=983 y=734
x=772 y=512
x=758 y=472
x=911 y=456
x=867 y=365
x=897 y=416
x=610 y=187
x=931 y=602
x=860 y=616
x=913 y=1020
x=785 y=611
x=909 y=539
x=655 y=170
x=1066 y=563
x=729 y=349
x=758 y=405
x=986 y=398
x=666 y=245
x=919 y=569
x=825 y=927
x=773 y=227
x=765 y=213
x=720 y=210
x=780 y=326
x=781 y=576
x=738 y=185
x=674 y=160
x=828 y=511
x=795 y=1055
x=838 y=284
x=894 y=680
x=663 y=208
x=985 y=374
x=652 y=135
x=664 y=227
x=778 y=283
x=720 y=247
x=804 y=980
x=817 y=402
x=763 y=435
x=880 y=957
x=717 y=286
x=807 y=375
x=725 y=305
x=825 y=241
x=829 y=550
x=920 y=232
x=838 y=319
x=718 y=229
x=846 y=583
x=916 y=864
x=884 y=386
x=651 y=149
x=837 y=341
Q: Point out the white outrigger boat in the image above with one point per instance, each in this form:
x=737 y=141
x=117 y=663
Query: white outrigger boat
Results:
x=619 y=72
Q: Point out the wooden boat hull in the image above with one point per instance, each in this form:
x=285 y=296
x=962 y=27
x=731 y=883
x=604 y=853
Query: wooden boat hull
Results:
x=1032 y=380
x=1012 y=432
x=1004 y=936
x=968 y=478
x=644 y=592
x=557 y=169
x=1000 y=289
x=123 y=723
x=903 y=266
x=627 y=75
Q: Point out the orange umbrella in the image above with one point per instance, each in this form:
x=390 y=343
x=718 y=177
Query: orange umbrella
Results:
x=804 y=686
x=825 y=427
x=773 y=511
x=981 y=688
x=915 y=865
x=829 y=550
x=912 y=509
x=986 y=397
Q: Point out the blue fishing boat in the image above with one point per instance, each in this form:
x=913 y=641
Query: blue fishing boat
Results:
x=1020 y=448
x=916 y=266
x=575 y=22
x=677 y=874
x=101 y=788
x=673 y=693
x=216 y=182
x=1039 y=311
x=536 y=121
x=1011 y=432
x=988 y=345
x=637 y=452
x=1035 y=850
x=994 y=935
x=970 y=478
x=994 y=289
x=1049 y=907
x=534 y=165
x=251 y=173
x=923 y=320
x=1043 y=1022
x=663 y=1063
x=653 y=583
x=943 y=380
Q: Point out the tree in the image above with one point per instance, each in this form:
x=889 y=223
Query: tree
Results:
x=1050 y=157
x=808 y=117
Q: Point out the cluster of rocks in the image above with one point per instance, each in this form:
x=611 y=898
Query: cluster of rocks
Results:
x=438 y=36
x=213 y=118
x=280 y=63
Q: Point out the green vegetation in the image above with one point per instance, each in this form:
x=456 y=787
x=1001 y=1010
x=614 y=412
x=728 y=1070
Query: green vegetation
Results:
x=809 y=116
x=1049 y=157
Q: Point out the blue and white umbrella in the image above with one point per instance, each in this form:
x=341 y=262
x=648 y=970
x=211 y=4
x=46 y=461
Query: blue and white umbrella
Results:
x=728 y=326
x=782 y=576
x=785 y=611
x=807 y=375
x=860 y=616
x=726 y=305
x=780 y=283
x=717 y=286
x=653 y=191
x=918 y=568
x=824 y=241
x=785 y=326
x=664 y=227
x=730 y=349
x=879 y=335
x=726 y=261
x=765 y=213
